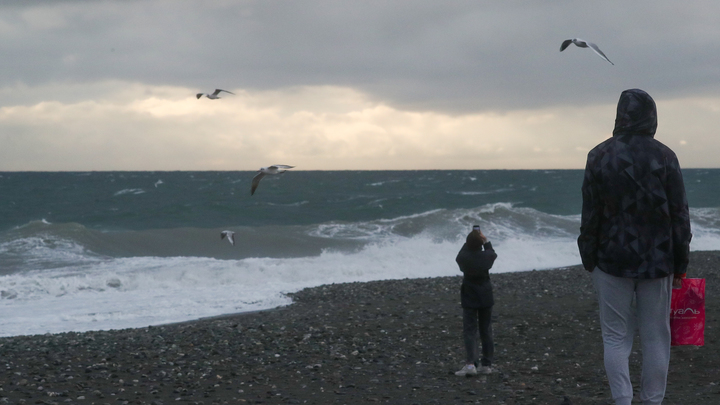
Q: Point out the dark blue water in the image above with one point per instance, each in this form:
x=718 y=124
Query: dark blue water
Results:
x=151 y=200
x=98 y=250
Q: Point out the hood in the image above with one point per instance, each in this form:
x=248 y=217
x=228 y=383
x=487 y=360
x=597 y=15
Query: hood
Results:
x=636 y=114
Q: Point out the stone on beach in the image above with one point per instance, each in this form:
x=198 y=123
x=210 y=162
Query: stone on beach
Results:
x=393 y=341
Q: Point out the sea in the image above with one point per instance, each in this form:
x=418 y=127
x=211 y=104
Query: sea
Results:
x=84 y=251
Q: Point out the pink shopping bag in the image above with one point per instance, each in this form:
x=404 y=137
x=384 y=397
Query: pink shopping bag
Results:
x=687 y=313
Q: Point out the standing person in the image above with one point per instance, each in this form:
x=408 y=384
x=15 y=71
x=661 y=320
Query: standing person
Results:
x=475 y=259
x=635 y=241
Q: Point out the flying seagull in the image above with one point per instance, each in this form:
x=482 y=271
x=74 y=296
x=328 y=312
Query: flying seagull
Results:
x=274 y=169
x=584 y=44
x=214 y=95
x=230 y=236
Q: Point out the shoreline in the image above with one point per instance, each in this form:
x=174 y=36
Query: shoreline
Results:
x=390 y=341
x=240 y=314
x=219 y=317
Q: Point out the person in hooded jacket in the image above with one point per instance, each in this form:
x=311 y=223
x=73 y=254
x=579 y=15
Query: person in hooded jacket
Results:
x=635 y=241
x=475 y=259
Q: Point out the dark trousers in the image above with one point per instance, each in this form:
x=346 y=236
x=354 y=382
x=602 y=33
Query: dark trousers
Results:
x=475 y=320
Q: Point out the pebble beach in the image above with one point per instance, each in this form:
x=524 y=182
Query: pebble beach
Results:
x=397 y=342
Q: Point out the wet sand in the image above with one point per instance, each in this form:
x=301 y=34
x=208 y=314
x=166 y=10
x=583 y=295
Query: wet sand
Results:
x=396 y=342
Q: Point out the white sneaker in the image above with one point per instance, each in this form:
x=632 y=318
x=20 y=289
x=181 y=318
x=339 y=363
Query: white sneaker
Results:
x=485 y=370
x=469 y=369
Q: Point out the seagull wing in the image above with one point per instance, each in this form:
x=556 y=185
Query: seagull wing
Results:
x=219 y=90
x=281 y=167
x=230 y=235
x=199 y=95
x=598 y=51
x=216 y=92
x=255 y=182
x=565 y=44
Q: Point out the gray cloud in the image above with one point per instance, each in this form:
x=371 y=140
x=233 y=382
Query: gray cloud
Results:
x=455 y=57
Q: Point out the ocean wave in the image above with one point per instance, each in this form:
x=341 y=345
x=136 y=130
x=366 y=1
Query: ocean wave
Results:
x=474 y=192
x=705 y=227
x=42 y=245
x=295 y=204
x=138 y=291
x=181 y=274
x=471 y=193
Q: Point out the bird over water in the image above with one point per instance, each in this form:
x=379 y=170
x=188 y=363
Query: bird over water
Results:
x=584 y=44
x=274 y=169
x=230 y=236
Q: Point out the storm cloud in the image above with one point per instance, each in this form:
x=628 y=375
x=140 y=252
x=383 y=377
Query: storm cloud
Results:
x=451 y=59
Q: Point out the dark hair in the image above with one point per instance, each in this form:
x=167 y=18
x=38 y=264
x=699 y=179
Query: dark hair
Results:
x=474 y=240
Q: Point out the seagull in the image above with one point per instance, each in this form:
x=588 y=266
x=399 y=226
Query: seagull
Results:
x=230 y=235
x=214 y=95
x=274 y=169
x=584 y=44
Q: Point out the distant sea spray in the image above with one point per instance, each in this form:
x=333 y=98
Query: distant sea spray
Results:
x=89 y=251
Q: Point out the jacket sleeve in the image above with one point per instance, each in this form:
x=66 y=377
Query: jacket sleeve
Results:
x=679 y=217
x=460 y=258
x=476 y=263
x=488 y=256
x=588 y=241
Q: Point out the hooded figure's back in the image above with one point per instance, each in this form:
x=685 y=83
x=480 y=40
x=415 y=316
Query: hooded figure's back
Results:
x=635 y=220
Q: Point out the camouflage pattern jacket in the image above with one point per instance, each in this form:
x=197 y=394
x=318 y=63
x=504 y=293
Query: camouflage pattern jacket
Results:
x=635 y=218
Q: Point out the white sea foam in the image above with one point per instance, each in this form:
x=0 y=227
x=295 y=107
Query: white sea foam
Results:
x=500 y=190
x=140 y=291
x=130 y=191
x=136 y=292
x=475 y=192
x=380 y=183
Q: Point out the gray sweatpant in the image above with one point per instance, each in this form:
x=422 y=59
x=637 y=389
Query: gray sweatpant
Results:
x=618 y=319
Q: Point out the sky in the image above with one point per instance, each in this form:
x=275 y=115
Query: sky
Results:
x=347 y=85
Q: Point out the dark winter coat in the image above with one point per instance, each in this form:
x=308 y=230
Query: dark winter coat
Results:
x=476 y=290
x=635 y=219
